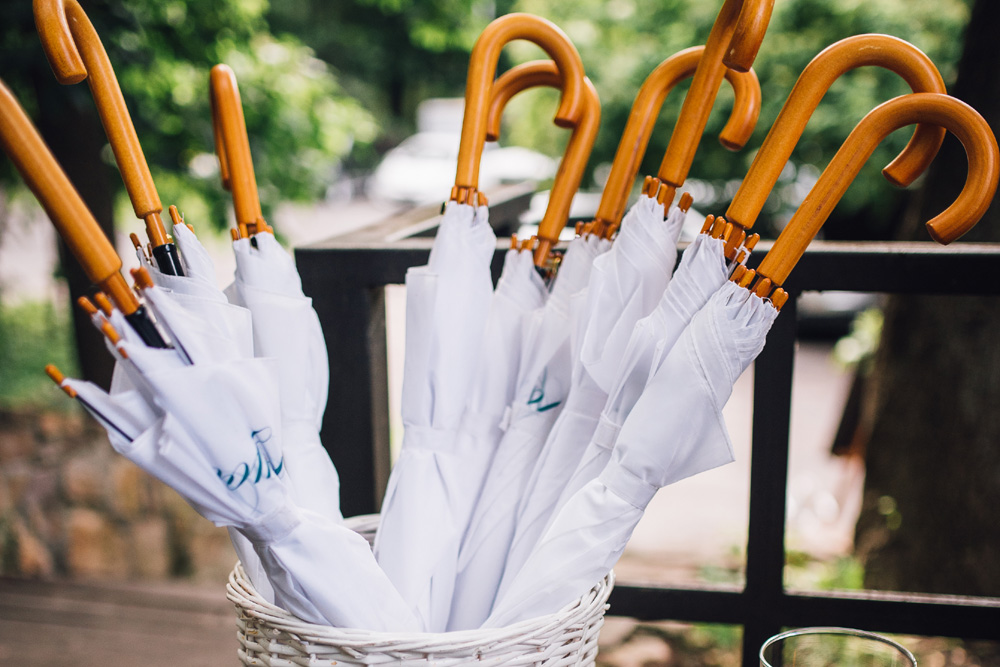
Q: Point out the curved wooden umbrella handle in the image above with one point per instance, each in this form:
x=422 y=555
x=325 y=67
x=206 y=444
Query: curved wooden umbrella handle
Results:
x=233 y=148
x=54 y=191
x=747 y=21
x=748 y=35
x=892 y=53
x=645 y=111
x=930 y=108
x=482 y=70
x=581 y=141
x=75 y=52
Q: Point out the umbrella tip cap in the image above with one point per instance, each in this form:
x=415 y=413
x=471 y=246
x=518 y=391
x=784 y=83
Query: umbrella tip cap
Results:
x=59 y=379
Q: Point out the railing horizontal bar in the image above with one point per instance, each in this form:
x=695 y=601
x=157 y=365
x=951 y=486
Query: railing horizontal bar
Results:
x=903 y=268
x=945 y=616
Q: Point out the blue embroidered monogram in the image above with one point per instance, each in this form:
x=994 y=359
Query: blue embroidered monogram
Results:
x=260 y=468
x=538 y=395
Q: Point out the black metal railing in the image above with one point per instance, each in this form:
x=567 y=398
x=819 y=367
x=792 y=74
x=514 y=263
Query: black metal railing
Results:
x=346 y=276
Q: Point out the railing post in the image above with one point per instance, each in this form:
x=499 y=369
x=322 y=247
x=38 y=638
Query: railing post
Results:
x=356 y=423
x=772 y=400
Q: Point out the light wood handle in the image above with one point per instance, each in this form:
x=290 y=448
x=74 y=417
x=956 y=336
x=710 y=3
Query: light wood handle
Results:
x=931 y=108
x=50 y=185
x=881 y=50
x=231 y=135
x=642 y=118
x=75 y=52
x=581 y=141
x=751 y=17
x=482 y=70
x=749 y=34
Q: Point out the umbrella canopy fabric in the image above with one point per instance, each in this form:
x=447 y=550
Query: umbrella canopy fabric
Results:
x=448 y=303
x=542 y=387
x=286 y=328
x=199 y=270
x=675 y=430
x=701 y=271
x=213 y=433
x=197 y=292
x=625 y=284
x=519 y=291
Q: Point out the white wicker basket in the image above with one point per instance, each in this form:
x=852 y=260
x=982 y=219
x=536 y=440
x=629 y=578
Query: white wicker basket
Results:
x=271 y=636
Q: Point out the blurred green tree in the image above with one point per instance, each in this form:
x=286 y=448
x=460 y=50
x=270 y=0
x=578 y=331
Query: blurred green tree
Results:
x=621 y=41
x=300 y=122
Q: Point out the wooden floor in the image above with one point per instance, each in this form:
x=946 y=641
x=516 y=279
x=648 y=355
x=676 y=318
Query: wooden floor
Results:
x=56 y=624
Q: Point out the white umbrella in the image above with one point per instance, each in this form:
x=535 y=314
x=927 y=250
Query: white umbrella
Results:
x=285 y=326
x=675 y=430
x=447 y=307
x=624 y=285
x=519 y=291
x=213 y=433
x=543 y=385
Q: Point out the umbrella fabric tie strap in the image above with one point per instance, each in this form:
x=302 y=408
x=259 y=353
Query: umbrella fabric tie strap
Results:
x=273 y=527
x=629 y=486
x=606 y=433
x=430 y=439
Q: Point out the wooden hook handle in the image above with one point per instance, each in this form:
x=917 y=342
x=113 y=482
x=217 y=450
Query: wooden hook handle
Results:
x=482 y=70
x=931 y=108
x=50 y=185
x=581 y=141
x=231 y=135
x=645 y=110
x=753 y=17
x=75 y=52
x=881 y=50
x=748 y=35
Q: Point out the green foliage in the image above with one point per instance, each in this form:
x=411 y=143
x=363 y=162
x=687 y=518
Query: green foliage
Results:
x=31 y=336
x=300 y=122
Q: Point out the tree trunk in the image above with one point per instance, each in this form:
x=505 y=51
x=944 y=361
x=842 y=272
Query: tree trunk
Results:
x=69 y=123
x=929 y=522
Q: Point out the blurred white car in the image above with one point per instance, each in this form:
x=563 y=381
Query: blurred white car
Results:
x=421 y=169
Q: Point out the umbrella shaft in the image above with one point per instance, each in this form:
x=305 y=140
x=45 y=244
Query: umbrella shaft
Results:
x=143 y=325
x=167 y=259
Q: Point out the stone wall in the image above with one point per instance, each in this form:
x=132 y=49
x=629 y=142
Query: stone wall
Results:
x=71 y=506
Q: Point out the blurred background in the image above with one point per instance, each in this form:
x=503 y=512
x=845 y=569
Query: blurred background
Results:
x=353 y=113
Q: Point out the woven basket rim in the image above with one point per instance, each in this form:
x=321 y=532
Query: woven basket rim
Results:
x=241 y=593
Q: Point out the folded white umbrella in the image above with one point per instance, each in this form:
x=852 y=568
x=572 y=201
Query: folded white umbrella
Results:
x=519 y=291
x=625 y=284
x=702 y=270
x=286 y=328
x=675 y=430
x=448 y=303
x=213 y=433
x=542 y=388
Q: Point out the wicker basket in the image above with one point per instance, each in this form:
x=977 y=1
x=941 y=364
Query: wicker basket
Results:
x=269 y=635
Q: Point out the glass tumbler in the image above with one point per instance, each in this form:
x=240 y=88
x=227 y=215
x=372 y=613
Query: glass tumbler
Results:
x=833 y=647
